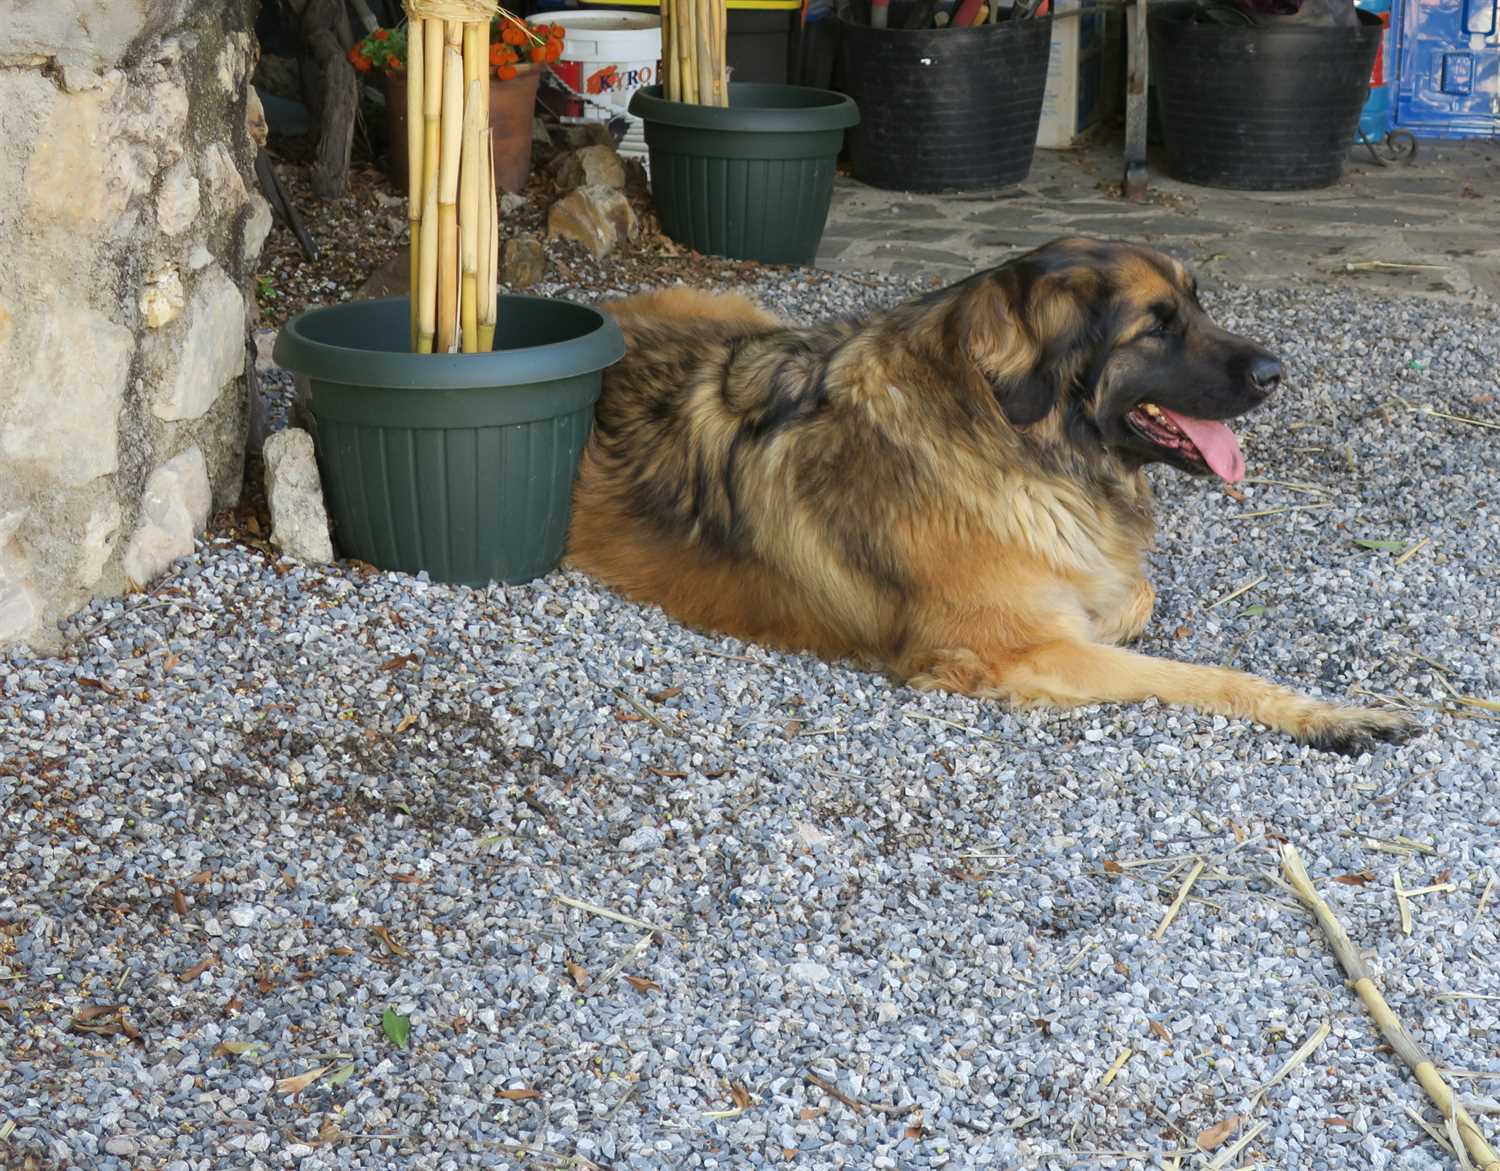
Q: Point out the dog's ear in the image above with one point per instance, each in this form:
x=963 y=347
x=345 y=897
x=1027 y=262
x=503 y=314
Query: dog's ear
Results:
x=1025 y=326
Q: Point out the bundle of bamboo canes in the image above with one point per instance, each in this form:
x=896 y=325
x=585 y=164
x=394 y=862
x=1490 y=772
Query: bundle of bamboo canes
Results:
x=450 y=198
x=694 y=38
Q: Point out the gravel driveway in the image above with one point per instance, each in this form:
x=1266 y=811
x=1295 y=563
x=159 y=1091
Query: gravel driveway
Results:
x=636 y=897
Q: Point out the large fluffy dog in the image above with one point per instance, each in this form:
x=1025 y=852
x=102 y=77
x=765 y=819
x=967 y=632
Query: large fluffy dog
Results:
x=951 y=490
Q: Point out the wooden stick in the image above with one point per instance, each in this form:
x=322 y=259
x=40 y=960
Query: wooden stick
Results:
x=707 y=39
x=1391 y=1028
x=453 y=125
x=1182 y=894
x=687 y=48
x=664 y=76
x=488 y=235
x=432 y=106
x=470 y=173
x=415 y=127
x=721 y=50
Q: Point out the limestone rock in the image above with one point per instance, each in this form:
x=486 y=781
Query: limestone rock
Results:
x=177 y=201
x=256 y=127
x=599 y=218
x=299 y=523
x=74 y=156
x=19 y=607
x=587 y=166
x=73 y=357
x=162 y=298
x=174 y=509
x=225 y=186
x=100 y=536
x=213 y=353
x=523 y=262
x=510 y=203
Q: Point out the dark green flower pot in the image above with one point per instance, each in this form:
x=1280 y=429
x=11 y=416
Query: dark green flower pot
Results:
x=461 y=465
x=750 y=181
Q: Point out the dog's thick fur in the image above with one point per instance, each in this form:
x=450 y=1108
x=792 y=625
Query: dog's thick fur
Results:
x=948 y=490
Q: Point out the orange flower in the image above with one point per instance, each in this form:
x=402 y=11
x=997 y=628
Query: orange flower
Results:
x=506 y=72
x=538 y=54
x=513 y=35
x=556 y=32
x=554 y=51
x=393 y=63
x=382 y=34
x=497 y=54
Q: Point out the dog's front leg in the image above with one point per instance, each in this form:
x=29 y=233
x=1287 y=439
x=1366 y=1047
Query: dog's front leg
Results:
x=1066 y=673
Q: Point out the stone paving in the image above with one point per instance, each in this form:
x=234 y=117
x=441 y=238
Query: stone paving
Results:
x=1429 y=227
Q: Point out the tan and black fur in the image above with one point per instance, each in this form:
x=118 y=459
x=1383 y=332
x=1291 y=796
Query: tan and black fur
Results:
x=948 y=491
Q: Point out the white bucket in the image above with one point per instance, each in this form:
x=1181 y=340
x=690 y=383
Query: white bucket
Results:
x=607 y=56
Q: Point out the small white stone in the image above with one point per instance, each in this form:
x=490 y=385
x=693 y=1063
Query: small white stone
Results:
x=648 y=837
x=259 y=1142
x=121 y=1145
x=299 y=522
x=212 y=926
x=810 y=972
x=886 y=1012
x=242 y=916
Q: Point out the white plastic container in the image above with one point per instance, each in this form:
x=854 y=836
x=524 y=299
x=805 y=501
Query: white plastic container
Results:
x=607 y=56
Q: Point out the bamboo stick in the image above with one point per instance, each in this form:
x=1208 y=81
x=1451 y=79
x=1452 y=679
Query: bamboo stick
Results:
x=707 y=39
x=1401 y=1041
x=415 y=127
x=664 y=77
x=489 y=273
x=476 y=67
x=469 y=174
x=432 y=105
x=452 y=123
x=688 y=47
x=721 y=50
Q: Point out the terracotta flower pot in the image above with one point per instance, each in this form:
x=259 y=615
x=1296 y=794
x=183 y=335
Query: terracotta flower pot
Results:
x=512 y=107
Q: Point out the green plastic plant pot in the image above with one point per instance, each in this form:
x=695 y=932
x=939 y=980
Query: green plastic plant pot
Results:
x=461 y=465
x=750 y=181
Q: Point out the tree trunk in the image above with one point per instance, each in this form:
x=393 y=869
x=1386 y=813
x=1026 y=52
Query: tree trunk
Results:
x=332 y=89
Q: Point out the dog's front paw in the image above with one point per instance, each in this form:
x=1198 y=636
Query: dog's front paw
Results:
x=1350 y=731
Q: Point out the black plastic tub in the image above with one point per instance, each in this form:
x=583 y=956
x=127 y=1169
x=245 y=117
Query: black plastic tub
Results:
x=1259 y=109
x=948 y=109
x=460 y=465
x=750 y=181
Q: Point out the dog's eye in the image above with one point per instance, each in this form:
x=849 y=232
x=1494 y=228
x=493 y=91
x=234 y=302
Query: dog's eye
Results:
x=1160 y=329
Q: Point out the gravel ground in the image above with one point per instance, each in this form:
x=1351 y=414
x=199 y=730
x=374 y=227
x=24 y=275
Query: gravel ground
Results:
x=265 y=804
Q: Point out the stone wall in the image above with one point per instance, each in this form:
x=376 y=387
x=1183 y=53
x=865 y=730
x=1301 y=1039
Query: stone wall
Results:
x=129 y=231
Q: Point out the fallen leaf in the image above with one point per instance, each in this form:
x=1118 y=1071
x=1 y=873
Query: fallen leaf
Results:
x=788 y=1153
x=1382 y=546
x=580 y=977
x=396 y=1027
x=339 y=1076
x=740 y=1095
x=521 y=1094
x=383 y=934
x=1335 y=1120
x=235 y=1048
x=809 y=1112
x=1254 y=611
x=398 y=662
x=1160 y=1030
x=1359 y=879
x=1182 y=632
x=792 y=728
x=407 y=721
x=1215 y=1135
x=1113 y=867
x=170 y=661
x=295 y=1085
x=341 y=951
x=179 y=902
x=91 y=1012
x=1442 y=877
x=663 y=695
x=669 y=774
x=407 y=878
x=196 y=970
x=641 y=984
x=202 y=878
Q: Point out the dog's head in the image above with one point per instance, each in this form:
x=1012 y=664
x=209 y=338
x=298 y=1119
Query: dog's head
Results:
x=1104 y=346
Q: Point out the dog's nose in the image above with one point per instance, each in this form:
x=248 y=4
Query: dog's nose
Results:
x=1265 y=373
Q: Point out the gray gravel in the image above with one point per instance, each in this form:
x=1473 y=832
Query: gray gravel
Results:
x=933 y=905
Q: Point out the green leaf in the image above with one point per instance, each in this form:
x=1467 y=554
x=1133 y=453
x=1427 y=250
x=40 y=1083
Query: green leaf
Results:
x=339 y=1076
x=1383 y=546
x=1254 y=611
x=397 y=1027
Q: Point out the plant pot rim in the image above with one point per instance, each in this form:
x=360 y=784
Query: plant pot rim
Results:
x=598 y=344
x=752 y=108
x=1036 y=21
x=1179 y=15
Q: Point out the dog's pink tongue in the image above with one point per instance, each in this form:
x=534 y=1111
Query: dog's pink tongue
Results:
x=1220 y=449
